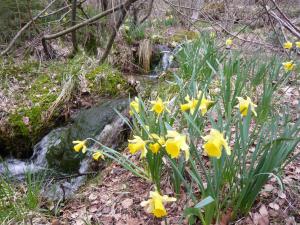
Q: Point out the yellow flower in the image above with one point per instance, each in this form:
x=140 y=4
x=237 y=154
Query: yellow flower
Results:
x=158 y=106
x=214 y=143
x=154 y=147
x=159 y=141
x=244 y=106
x=134 y=106
x=174 y=143
x=297 y=44
x=288 y=45
x=137 y=144
x=80 y=145
x=229 y=42
x=192 y=103
x=212 y=35
x=98 y=155
x=288 y=66
x=155 y=204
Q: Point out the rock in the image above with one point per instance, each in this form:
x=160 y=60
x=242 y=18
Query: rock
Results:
x=88 y=123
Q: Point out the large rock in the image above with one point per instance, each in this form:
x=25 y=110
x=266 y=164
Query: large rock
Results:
x=89 y=123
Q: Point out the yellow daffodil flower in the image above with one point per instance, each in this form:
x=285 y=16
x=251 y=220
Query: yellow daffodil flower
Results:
x=158 y=106
x=214 y=143
x=297 y=44
x=288 y=66
x=229 y=42
x=244 y=106
x=80 y=145
x=154 y=147
x=288 y=45
x=159 y=141
x=192 y=103
x=98 y=155
x=155 y=204
x=174 y=143
x=137 y=144
x=134 y=105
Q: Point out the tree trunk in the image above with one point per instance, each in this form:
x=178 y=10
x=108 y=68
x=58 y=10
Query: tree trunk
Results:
x=73 y=23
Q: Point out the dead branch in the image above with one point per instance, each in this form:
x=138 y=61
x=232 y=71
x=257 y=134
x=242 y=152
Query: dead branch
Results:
x=73 y=23
x=86 y=22
x=24 y=28
x=285 y=23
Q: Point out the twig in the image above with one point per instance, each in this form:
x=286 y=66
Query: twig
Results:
x=24 y=28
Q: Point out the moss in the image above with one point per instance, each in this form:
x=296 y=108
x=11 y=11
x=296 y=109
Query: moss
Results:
x=105 y=80
x=182 y=35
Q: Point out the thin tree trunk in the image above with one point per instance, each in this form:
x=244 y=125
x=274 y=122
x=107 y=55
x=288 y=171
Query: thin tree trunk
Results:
x=113 y=35
x=73 y=23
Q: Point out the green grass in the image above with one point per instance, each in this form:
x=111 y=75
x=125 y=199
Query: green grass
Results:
x=19 y=201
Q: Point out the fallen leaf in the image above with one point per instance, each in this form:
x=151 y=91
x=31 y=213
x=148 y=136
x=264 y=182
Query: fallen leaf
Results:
x=127 y=203
x=274 y=205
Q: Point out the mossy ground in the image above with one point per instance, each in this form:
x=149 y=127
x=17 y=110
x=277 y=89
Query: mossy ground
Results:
x=30 y=89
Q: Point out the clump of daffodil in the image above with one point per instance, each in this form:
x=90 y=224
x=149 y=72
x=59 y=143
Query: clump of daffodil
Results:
x=288 y=45
x=137 y=144
x=229 y=42
x=297 y=44
x=192 y=103
x=288 y=66
x=215 y=141
x=174 y=143
x=158 y=142
x=212 y=35
x=134 y=106
x=155 y=204
x=97 y=155
x=158 y=106
x=244 y=105
x=80 y=146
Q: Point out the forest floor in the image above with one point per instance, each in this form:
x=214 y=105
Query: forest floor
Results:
x=115 y=195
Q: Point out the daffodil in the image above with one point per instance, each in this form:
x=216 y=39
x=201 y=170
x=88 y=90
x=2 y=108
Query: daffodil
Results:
x=215 y=141
x=288 y=45
x=288 y=66
x=158 y=106
x=80 y=145
x=98 y=155
x=244 y=106
x=229 y=42
x=297 y=44
x=192 y=103
x=137 y=144
x=158 y=142
x=134 y=106
x=212 y=35
x=155 y=204
x=175 y=143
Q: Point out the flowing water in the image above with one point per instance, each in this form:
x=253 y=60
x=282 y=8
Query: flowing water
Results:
x=99 y=123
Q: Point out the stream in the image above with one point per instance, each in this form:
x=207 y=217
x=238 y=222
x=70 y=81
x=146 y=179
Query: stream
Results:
x=54 y=153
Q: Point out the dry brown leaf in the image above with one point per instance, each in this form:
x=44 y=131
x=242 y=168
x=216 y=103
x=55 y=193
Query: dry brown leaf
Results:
x=274 y=205
x=127 y=203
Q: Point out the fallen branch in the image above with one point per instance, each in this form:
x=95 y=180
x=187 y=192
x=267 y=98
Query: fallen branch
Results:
x=24 y=28
x=86 y=22
x=125 y=5
x=285 y=23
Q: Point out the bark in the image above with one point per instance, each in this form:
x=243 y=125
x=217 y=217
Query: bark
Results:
x=73 y=23
x=113 y=35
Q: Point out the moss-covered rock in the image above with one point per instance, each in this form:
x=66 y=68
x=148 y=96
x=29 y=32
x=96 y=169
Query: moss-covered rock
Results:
x=88 y=124
x=31 y=89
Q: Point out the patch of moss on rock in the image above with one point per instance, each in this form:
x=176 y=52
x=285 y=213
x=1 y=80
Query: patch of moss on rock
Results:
x=105 y=80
